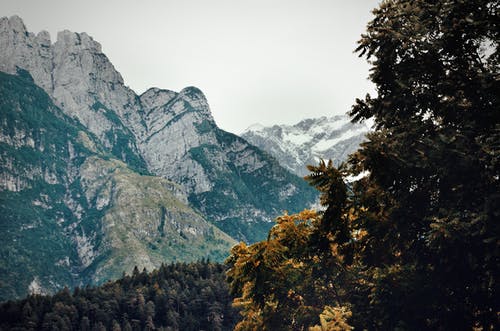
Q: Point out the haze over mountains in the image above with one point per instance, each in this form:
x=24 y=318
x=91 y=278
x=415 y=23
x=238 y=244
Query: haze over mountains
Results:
x=95 y=179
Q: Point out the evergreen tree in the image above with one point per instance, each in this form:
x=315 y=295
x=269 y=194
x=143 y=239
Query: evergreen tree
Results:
x=138 y=302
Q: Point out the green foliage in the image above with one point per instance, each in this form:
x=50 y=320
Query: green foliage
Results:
x=174 y=297
x=414 y=243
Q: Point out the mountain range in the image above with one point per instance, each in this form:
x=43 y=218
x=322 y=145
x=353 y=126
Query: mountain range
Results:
x=95 y=179
x=296 y=146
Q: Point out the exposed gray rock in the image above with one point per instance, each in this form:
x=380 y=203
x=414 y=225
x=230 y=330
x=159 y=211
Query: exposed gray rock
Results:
x=81 y=81
x=20 y=48
x=168 y=134
x=308 y=141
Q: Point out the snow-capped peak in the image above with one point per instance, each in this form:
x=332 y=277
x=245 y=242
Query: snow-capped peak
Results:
x=296 y=146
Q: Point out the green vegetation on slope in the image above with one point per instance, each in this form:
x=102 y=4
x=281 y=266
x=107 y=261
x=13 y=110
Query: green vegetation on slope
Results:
x=71 y=214
x=249 y=190
x=143 y=224
x=174 y=297
x=34 y=150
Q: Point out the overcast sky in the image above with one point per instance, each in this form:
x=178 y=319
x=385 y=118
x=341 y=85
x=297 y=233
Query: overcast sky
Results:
x=257 y=61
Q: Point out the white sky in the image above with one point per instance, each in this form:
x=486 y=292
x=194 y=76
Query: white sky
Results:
x=265 y=61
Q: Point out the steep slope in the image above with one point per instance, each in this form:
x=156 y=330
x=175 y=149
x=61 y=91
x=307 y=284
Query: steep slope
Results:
x=80 y=80
x=164 y=133
x=296 y=146
x=71 y=214
x=239 y=188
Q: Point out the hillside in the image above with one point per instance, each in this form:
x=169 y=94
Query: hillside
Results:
x=174 y=297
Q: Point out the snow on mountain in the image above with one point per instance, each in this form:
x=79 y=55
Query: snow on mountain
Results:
x=296 y=146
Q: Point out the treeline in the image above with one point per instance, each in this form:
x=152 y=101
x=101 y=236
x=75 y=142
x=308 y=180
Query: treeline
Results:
x=178 y=296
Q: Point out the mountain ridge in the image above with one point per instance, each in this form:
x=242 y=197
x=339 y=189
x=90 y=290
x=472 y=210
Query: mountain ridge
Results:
x=308 y=141
x=86 y=216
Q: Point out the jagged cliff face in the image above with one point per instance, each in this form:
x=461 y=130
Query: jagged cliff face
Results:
x=172 y=120
x=81 y=81
x=304 y=143
x=71 y=213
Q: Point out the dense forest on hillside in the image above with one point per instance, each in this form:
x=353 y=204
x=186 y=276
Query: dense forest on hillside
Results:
x=175 y=297
x=410 y=236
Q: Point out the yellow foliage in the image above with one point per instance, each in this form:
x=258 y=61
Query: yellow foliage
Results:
x=333 y=319
x=273 y=280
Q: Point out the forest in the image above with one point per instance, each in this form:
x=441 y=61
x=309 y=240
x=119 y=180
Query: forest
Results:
x=177 y=296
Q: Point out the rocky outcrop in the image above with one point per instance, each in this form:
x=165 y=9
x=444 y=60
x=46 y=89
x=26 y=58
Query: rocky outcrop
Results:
x=172 y=121
x=296 y=146
x=71 y=214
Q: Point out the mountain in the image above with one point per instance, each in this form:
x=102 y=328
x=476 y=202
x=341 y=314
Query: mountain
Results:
x=71 y=213
x=173 y=135
x=236 y=185
x=108 y=179
x=80 y=80
x=296 y=146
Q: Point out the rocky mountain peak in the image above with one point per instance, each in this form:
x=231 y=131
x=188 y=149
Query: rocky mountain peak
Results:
x=81 y=56
x=14 y=23
x=26 y=51
x=193 y=93
x=197 y=101
x=43 y=38
x=70 y=39
x=296 y=146
x=155 y=97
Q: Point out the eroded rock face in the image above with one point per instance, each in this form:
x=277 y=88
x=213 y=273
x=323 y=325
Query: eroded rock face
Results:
x=21 y=48
x=173 y=120
x=81 y=81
